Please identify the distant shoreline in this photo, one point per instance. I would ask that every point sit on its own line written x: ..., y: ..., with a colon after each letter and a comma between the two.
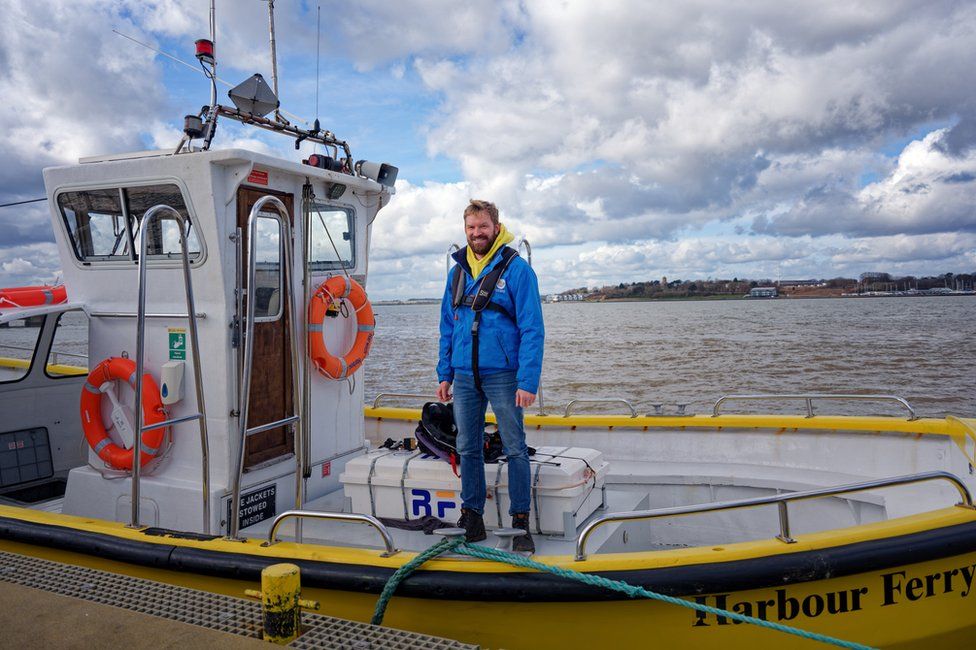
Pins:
x: 780, y: 297
x: 432, y: 301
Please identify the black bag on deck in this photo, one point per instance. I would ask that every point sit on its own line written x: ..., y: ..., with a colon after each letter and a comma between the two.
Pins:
x: 437, y: 435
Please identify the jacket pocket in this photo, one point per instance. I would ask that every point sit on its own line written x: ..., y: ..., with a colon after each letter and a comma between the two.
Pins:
x: 503, y: 349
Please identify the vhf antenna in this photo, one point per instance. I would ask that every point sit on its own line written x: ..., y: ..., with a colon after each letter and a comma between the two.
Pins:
x: 274, y: 60
x: 318, y: 57
x: 212, y: 60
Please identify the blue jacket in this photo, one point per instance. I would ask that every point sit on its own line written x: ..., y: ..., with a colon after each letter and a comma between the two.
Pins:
x: 504, y: 345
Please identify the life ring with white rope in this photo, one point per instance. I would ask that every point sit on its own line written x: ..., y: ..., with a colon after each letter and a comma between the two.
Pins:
x: 332, y: 292
x: 120, y: 369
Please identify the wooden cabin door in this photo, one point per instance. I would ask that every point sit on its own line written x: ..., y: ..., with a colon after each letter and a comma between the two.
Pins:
x: 271, y: 395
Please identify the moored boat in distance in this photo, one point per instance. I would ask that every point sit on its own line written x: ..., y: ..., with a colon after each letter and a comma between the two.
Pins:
x: 194, y: 272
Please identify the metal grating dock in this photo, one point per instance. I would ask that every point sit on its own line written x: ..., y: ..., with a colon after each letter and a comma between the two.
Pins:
x: 212, y: 611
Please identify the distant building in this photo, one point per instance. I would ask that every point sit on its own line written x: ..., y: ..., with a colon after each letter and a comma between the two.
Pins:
x: 565, y: 297
x: 799, y: 283
x: 763, y: 292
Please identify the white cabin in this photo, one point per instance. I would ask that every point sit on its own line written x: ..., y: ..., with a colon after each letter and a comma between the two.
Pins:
x: 96, y: 210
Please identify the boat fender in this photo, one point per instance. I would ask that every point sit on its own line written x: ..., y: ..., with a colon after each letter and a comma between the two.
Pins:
x: 120, y: 369
x: 330, y: 293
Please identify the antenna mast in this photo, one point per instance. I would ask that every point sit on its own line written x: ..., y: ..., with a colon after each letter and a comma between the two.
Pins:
x: 212, y: 113
x: 274, y: 58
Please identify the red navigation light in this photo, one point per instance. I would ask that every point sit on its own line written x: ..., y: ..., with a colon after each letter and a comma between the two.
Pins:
x: 205, y: 50
x: 324, y: 162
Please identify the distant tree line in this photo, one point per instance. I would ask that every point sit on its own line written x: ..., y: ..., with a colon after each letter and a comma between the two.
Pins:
x: 665, y: 288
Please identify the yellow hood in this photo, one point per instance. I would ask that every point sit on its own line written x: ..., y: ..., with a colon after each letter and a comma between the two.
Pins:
x: 477, y: 266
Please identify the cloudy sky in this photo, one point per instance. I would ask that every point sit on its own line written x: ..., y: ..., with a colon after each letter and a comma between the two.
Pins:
x: 627, y: 140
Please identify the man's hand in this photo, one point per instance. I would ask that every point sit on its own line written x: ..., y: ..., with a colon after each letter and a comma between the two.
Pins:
x: 524, y: 399
x: 444, y: 392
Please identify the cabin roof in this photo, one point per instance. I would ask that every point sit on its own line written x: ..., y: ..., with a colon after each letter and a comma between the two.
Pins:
x: 120, y: 166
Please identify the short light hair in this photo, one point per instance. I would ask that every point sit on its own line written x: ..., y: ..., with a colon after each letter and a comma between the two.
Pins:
x: 475, y: 206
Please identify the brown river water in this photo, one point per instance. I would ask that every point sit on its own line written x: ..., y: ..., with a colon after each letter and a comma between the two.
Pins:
x: 694, y: 352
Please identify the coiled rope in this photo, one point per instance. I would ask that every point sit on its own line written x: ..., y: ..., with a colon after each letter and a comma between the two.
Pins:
x: 483, y: 552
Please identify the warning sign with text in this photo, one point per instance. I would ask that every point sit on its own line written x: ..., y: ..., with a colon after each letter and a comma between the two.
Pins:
x: 256, y: 506
x: 177, y: 344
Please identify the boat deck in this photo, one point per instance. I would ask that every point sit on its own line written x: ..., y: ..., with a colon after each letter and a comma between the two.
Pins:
x: 358, y: 535
x: 39, y: 598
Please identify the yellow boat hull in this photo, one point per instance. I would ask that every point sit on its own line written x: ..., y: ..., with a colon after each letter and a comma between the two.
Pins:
x: 910, y: 604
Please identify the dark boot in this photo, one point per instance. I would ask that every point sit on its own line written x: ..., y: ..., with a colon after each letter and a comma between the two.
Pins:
x: 522, y: 542
x: 473, y: 525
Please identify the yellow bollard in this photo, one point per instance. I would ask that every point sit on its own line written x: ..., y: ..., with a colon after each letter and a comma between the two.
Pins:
x: 281, y: 589
x: 281, y: 602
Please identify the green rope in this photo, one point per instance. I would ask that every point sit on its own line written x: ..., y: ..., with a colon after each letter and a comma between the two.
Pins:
x: 442, y: 546
x: 485, y: 553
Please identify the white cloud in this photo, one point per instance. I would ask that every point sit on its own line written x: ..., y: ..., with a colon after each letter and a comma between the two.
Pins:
x: 61, y: 70
x: 686, y: 139
x: 691, y: 103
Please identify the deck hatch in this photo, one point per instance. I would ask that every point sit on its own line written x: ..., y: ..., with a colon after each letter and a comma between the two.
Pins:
x: 25, y: 455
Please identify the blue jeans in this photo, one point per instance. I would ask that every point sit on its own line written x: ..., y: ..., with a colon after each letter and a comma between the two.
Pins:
x: 469, y: 413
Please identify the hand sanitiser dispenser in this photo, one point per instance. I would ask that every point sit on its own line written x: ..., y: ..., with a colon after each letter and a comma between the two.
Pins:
x: 171, y: 384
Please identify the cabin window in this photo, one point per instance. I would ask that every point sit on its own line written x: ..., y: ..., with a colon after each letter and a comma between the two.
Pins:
x: 333, y: 238
x: 104, y: 224
x: 68, y: 356
x: 18, y: 341
x: 267, y: 273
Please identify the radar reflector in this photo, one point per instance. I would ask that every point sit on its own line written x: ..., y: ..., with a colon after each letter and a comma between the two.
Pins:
x: 254, y: 96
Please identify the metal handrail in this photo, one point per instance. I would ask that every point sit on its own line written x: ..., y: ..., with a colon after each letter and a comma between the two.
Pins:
x: 247, y: 327
x: 382, y: 396
x: 809, y: 397
x: 780, y: 499
x: 200, y: 315
x: 22, y: 348
x: 609, y: 400
x: 391, y: 549
x: 156, y: 212
x: 171, y: 422
x: 261, y: 428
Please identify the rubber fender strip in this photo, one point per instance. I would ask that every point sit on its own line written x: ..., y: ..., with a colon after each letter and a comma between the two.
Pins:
x: 718, y: 577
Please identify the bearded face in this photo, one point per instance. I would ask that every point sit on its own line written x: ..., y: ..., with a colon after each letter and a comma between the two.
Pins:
x: 480, y: 232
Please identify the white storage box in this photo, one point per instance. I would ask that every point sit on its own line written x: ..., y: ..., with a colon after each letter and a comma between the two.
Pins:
x: 567, y: 487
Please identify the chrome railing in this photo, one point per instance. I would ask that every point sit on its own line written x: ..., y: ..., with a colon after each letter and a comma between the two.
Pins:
x: 780, y: 500
x: 391, y: 549
x: 54, y: 354
x: 609, y: 400
x: 810, y: 397
x: 157, y: 212
x: 247, y: 329
x: 382, y: 396
x: 128, y: 314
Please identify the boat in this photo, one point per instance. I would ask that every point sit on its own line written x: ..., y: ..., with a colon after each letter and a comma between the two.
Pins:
x: 192, y: 272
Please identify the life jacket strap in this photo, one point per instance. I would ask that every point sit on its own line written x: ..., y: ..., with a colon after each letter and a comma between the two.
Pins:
x: 481, y: 300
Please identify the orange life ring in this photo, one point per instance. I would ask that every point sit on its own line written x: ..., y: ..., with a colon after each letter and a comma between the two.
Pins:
x: 121, y: 369
x: 32, y: 296
x: 333, y: 290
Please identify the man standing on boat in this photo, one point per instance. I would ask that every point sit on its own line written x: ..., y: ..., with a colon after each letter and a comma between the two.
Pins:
x: 491, y: 341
